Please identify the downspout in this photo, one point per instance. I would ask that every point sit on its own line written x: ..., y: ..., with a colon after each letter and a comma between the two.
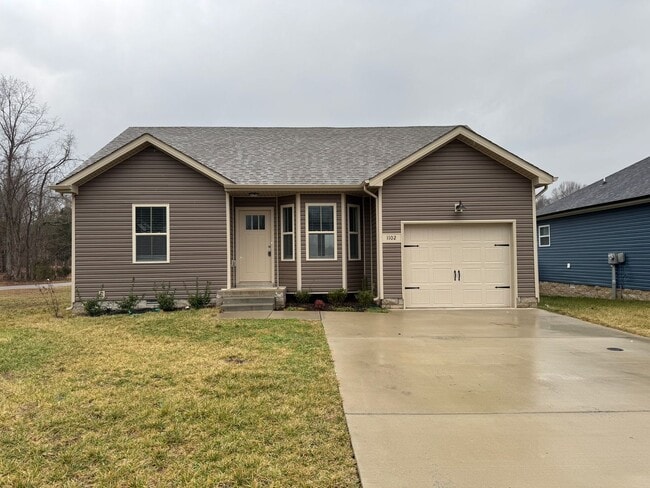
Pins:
x: 365, y: 189
x: 535, y: 252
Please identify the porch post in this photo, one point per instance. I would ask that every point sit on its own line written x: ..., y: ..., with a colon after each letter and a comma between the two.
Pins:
x: 344, y: 253
x: 298, y: 243
x: 228, y: 244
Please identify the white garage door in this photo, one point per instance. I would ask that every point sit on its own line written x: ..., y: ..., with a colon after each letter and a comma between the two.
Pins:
x: 457, y: 265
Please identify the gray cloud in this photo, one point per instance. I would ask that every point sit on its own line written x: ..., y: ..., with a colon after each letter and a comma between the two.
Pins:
x: 563, y: 84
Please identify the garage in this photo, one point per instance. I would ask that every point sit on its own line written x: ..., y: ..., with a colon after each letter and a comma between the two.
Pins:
x: 459, y: 265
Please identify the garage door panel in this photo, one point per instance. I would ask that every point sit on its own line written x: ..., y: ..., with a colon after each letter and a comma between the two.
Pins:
x: 497, y: 297
x: 480, y: 252
x: 471, y: 275
x: 440, y: 276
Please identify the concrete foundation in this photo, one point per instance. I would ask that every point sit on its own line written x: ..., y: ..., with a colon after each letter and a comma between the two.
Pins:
x: 571, y: 290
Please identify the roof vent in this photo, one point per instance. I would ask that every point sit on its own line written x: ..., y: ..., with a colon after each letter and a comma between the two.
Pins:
x: 604, y: 180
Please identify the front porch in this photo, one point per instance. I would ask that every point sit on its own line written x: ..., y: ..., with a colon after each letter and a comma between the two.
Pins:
x: 263, y: 298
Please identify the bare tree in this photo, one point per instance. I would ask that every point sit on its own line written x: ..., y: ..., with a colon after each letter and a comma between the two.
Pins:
x: 33, y: 150
x: 563, y: 189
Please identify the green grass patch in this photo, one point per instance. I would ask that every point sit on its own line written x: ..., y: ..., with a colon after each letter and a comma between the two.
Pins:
x: 167, y: 399
x: 628, y: 315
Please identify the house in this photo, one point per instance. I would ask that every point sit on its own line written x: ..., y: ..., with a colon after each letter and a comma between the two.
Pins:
x: 576, y: 234
x: 423, y: 216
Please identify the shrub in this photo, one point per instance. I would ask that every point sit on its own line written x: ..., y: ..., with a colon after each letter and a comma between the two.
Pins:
x: 200, y: 298
x: 50, y: 298
x: 302, y: 296
x: 337, y: 297
x: 130, y: 302
x: 94, y: 306
x: 165, y: 296
x: 319, y: 305
x: 365, y: 298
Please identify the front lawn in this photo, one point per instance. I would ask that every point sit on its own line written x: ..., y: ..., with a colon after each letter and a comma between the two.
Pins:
x: 166, y: 399
x: 628, y: 315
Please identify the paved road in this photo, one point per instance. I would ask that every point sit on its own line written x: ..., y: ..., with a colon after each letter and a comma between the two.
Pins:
x: 509, y: 398
x: 33, y: 286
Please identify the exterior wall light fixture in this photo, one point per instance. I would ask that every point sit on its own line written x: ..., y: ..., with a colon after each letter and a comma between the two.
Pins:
x: 459, y: 207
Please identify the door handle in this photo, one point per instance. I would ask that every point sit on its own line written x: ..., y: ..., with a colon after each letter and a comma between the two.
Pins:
x: 458, y: 275
x: 454, y: 275
x: 269, y: 252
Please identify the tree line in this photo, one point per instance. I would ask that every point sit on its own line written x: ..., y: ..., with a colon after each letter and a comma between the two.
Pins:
x: 35, y: 151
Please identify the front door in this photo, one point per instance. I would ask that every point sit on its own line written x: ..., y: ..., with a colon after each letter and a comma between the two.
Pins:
x: 254, y: 261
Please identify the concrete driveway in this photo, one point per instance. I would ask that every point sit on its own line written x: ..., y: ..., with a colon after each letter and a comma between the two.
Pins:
x: 499, y: 398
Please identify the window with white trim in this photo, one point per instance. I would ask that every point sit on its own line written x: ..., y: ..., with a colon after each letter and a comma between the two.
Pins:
x: 544, y: 235
x: 354, y: 233
x: 287, y: 243
x: 150, y: 233
x: 321, y: 232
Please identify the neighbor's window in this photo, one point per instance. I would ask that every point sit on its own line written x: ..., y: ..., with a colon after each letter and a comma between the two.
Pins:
x: 544, y: 235
x: 287, y: 233
x: 150, y: 233
x: 354, y: 226
x: 321, y: 232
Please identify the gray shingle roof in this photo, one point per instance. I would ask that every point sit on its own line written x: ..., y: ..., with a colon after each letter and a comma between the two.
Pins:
x: 627, y: 184
x: 323, y: 155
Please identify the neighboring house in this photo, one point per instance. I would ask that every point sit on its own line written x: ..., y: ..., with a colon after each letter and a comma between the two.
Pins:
x: 577, y: 232
x: 299, y: 208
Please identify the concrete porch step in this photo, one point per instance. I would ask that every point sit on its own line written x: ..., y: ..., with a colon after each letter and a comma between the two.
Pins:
x: 262, y: 298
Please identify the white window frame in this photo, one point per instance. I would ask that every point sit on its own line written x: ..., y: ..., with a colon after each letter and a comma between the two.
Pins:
x: 539, y: 235
x: 134, y: 234
x: 357, y: 232
x: 292, y: 233
x: 308, y: 232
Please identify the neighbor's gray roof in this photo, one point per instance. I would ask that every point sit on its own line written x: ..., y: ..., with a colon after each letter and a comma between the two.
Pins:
x: 323, y: 155
x: 627, y: 184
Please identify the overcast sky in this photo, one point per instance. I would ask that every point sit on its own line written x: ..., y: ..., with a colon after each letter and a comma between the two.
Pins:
x: 562, y: 84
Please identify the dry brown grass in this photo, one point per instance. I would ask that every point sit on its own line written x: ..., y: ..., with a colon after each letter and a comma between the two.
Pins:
x: 166, y: 399
x: 628, y: 315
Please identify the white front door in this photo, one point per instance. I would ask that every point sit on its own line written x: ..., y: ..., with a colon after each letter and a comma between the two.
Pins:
x: 254, y: 250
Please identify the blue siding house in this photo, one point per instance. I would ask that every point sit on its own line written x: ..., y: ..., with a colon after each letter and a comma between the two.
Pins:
x: 576, y: 233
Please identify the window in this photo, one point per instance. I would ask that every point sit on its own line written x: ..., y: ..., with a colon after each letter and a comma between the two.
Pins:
x: 150, y: 233
x: 321, y: 232
x: 354, y: 226
x: 287, y: 233
x: 544, y: 235
x: 255, y: 222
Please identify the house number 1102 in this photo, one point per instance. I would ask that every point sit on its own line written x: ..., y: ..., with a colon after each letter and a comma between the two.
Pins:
x: 392, y: 238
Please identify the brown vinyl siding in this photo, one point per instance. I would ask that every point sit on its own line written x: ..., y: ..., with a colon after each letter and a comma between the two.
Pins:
x: 321, y: 276
x: 428, y: 189
x: 103, y: 237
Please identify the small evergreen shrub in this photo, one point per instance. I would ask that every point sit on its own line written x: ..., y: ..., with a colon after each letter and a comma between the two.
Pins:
x: 94, y: 306
x: 319, y: 305
x: 130, y: 302
x: 200, y: 298
x: 337, y: 297
x: 165, y: 296
x: 365, y: 298
x: 302, y: 296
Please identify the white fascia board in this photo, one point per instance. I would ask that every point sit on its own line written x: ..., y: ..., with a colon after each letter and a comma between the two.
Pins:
x: 537, y: 176
x: 133, y: 147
